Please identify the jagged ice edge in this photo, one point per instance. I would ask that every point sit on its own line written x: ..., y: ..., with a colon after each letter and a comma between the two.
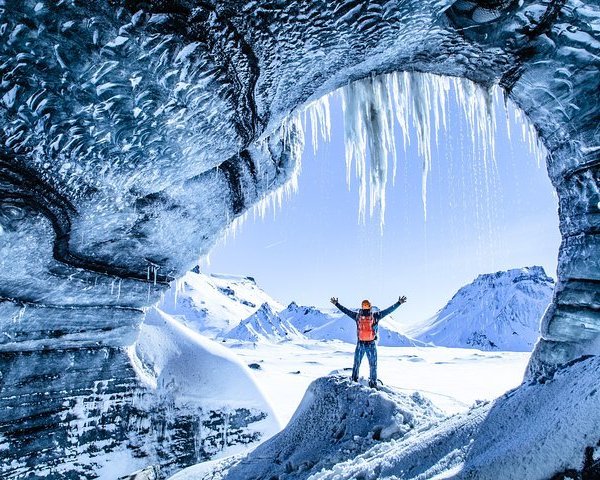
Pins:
x: 372, y: 108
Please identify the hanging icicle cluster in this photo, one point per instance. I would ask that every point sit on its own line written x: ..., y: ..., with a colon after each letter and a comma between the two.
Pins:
x: 420, y: 101
x: 416, y: 100
x: 416, y: 104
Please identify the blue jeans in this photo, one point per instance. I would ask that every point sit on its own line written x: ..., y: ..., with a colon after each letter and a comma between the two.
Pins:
x: 370, y: 348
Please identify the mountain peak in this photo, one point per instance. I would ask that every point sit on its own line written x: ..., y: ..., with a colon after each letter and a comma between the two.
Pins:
x: 497, y: 311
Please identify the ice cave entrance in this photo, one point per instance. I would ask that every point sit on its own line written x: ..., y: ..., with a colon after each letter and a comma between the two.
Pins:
x: 410, y: 182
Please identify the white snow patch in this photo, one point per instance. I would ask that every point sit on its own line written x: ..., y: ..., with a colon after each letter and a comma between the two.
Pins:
x: 193, y: 368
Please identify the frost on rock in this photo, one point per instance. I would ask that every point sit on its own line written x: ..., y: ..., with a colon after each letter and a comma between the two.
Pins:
x: 537, y: 431
x: 336, y: 420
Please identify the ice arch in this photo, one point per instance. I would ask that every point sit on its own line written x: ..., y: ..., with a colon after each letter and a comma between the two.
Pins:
x: 134, y: 132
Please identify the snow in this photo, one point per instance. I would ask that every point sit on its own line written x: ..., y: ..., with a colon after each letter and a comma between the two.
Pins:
x: 174, y: 359
x: 264, y: 325
x: 534, y: 431
x: 337, y: 420
x: 214, y: 304
x: 499, y: 311
x: 452, y: 378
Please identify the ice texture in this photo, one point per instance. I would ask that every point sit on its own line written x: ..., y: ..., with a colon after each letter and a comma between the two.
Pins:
x: 134, y: 134
x: 337, y: 420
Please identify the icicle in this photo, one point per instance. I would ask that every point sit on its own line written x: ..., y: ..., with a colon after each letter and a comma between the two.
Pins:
x: 178, y: 287
x: 320, y: 120
x: 371, y: 108
x: 368, y: 122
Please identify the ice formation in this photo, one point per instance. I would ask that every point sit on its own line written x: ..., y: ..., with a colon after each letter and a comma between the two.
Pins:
x: 133, y: 134
x: 414, y: 103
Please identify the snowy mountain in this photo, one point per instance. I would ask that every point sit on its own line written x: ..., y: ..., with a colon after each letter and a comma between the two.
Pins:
x: 334, y: 325
x: 498, y: 311
x: 215, y: 304
x: 264, y: 325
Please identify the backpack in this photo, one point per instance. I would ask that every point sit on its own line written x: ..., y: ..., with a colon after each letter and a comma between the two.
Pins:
x: 366, y: 327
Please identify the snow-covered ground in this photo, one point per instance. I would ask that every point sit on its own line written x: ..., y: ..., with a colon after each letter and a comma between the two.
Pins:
x: 289, y: 350
x: 537, y: 431
x: 452, y: 378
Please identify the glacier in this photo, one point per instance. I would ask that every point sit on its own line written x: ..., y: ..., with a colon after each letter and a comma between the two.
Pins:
x: 134, y: 134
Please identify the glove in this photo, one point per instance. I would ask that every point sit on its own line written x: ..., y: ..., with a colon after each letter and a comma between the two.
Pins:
x: 401, y: 300
x: 334, y: 300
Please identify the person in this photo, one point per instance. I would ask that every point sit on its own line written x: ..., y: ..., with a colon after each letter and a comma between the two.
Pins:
x: 367, y: 323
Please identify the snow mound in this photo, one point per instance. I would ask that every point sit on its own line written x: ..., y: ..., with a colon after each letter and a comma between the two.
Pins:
x: 318, y: 325
x: 194, y: 370
x: 336, y: 420
x: 498, y: 311
x: 214, y: 304
x: 535, y: 432
x: 264, y: 325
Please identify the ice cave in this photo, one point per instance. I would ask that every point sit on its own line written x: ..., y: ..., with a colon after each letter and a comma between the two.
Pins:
x: 135, y: 133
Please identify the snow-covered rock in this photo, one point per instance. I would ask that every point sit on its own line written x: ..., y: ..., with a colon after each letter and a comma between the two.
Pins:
x: 337, y: 420
x: 538, y: 431
x: 329, y: 325
x: 193, y: 369
x: 498, y: 311
x: 202, y: 400
x: 264, y: 325
x: 214, y: 304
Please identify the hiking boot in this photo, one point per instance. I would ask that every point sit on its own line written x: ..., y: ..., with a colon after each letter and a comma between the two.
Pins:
x: 373, y: 384
x: 354, y: 379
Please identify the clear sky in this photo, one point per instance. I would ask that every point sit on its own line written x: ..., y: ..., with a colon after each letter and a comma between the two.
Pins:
x: 314, y: 247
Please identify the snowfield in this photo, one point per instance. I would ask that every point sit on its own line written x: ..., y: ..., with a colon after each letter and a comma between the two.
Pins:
x: 452, y: 378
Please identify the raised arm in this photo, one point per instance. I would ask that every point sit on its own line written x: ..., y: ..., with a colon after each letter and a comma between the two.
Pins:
x: 347, y: 311
x: 379, y: 315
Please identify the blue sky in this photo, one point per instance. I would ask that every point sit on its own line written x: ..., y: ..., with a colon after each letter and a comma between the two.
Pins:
x: 314, y: 247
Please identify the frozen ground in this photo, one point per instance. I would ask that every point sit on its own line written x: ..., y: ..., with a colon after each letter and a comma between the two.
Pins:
x: 452, y: 378
x: 539, y: 430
